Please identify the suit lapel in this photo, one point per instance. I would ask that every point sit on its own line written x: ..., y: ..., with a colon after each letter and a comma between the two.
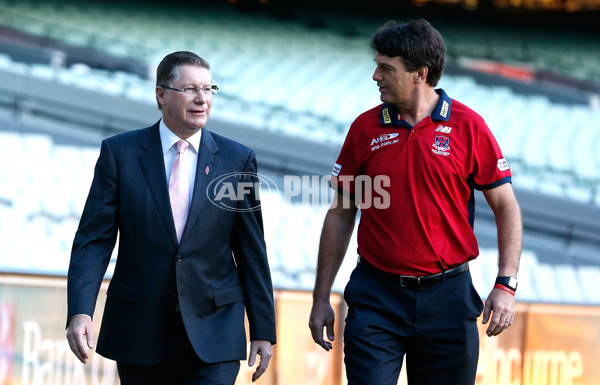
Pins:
x: 207, y: 169
x: 153, y: 165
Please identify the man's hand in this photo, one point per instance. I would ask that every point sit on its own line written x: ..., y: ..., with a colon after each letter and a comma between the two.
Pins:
x: 502, y: 304
x: 80, y: 335
x: 322, y: 316
x: 263, y: 349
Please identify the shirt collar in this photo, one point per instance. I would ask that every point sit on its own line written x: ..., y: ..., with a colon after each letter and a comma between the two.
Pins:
x: 389, y: 113
x: 168, y: 138
x: 442, y: 110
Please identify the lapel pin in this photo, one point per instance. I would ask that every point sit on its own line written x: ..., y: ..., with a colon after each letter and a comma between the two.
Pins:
x: 206, y: 170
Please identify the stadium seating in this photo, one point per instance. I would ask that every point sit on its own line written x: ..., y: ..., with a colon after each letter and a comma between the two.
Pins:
x: 288, y: 79
x: 561, y: 162
x: 127, y: 29
x: 63, y: 173
x: 311, y: 83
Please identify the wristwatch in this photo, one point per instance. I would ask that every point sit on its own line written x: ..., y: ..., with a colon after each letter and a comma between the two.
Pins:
x: 509, y: 282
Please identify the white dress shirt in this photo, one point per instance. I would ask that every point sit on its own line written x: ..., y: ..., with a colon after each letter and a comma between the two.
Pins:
x: 190, y: 156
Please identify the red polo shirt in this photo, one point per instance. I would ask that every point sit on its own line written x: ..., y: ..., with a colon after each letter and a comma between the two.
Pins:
x: 416, y: 185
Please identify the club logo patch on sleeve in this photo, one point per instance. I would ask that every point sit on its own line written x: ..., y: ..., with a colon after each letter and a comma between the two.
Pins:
x: 336, y: 169
x: 502, y: 164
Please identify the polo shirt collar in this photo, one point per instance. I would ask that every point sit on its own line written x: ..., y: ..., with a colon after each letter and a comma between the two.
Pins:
x: 442, y: 110
x: 389, y: 116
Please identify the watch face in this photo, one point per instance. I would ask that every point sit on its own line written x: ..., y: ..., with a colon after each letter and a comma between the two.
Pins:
x: 509, y: 282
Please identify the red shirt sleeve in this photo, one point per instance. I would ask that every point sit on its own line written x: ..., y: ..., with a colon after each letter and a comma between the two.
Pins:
x: 490, y: 168
x: 347, y: 165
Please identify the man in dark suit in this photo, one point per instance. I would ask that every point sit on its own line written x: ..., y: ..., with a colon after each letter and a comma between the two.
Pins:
x: 187, y: 266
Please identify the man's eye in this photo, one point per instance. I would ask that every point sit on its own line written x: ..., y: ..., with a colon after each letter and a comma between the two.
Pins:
x: 189, y: 90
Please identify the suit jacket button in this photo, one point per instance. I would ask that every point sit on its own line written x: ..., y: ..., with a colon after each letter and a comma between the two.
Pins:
x: 178, y: 259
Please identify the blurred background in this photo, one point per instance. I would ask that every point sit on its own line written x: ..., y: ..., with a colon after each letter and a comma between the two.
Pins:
x: 293, y: 75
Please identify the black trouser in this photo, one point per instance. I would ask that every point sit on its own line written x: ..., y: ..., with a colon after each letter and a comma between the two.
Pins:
x: 435, y: 326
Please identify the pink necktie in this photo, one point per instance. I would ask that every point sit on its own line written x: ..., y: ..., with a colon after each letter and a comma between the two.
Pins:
x: 179, y: 189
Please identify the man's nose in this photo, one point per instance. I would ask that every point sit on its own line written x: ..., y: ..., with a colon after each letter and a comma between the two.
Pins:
x: 376, y: 76
x: 200, y: 97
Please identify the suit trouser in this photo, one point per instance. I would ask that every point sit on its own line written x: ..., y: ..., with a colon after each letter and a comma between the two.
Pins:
x: 182, y: 367
x: 435, y: 326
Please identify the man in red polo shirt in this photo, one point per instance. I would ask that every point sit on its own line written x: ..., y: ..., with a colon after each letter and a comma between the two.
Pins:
x: 411, y: 165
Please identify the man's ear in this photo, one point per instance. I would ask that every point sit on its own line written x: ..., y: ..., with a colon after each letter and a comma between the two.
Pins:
x: 160, y: 96
x: 421, y: 75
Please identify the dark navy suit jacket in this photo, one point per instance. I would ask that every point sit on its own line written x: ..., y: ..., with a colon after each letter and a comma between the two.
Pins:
x: 218, y: 270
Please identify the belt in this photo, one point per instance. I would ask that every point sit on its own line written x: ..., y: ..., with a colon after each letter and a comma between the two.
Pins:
x: 411, y: 281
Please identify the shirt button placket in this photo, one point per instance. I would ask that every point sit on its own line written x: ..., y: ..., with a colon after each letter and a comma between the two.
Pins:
x: 412, y: 135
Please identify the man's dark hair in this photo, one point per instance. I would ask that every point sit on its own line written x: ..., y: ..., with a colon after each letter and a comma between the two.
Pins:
x: 168, y: 69
x: 416, y: 42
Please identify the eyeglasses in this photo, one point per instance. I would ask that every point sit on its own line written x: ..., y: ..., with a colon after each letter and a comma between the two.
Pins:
x: 193, y: 91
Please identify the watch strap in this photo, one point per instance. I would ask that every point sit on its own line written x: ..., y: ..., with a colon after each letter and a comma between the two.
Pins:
x: 509, y: 282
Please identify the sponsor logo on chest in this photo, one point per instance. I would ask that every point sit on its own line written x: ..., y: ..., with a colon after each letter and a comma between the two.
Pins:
x: 443, y: 129
x: 384, y: 140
